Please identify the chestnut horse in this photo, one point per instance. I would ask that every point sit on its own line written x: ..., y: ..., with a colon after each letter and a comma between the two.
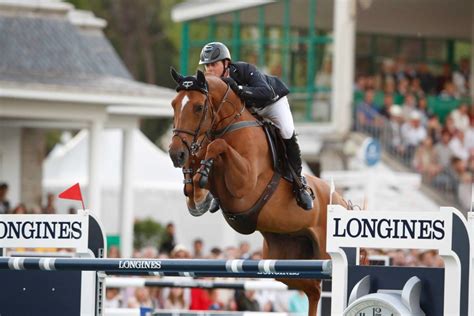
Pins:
x: 240, y: 165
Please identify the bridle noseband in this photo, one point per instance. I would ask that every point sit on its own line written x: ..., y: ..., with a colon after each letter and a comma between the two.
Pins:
x: 209, y: 135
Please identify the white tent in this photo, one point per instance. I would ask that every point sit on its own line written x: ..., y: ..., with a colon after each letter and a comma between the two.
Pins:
x: 157, y: 188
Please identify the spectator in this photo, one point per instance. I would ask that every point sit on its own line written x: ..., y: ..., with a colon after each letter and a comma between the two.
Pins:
x: 367, y: 115
x: 426, y: 161
x: 461, y: 77
x: 149, y: 252
x: 442, y: 150
x: 244, y: 250
x: 20, y: 209
x: 449, y: 125
x: 424, y: 111
x: 168, y: 242
x: 403, y: 87
x: 113, y: 299
x: 395, y: 129
x: 198, y: 246
x: 175, y: 299
x: 298, y: 303
x: 246, y: 301
x: 140, y: 299
x: 114, y: 252
x: 434, y: 128
x: 216, y: 253
x: 180, y: 252
x: 428, y: 258
x: 445, y: 76
x: 231, y: 252
x: 450, y: 178
x: 387, y: 74
x: 413, y: 133
x: 460, y: 117
x: 200, y: 299
x: 427, y: 80
x: 416, y: 89
x: 387, y: 104
x: 50, y: 208
x: 360, y: 84
x: 215, y: 302
x: 469, y: 135
x: 4, y: 203
x: 409, y: 106
x: 449, y: 92
x: 458, y: 146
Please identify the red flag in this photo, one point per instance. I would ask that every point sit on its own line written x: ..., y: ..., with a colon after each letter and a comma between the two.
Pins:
x: 73, y: 193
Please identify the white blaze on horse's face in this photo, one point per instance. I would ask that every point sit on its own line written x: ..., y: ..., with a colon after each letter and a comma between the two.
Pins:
x: 184, y: 101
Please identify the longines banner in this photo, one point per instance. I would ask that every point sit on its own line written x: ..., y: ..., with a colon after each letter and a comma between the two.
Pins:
x: 379, y: 229
x: 38, y: 231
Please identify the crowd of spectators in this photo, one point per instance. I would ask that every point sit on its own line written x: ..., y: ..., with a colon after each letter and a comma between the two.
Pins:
x: 435, y: 139
x: 48, y: 207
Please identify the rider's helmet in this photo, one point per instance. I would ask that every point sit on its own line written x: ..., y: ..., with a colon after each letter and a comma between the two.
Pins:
x: 212, y: 52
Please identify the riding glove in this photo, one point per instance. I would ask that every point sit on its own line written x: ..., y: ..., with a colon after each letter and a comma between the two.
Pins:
x: 233, y: 85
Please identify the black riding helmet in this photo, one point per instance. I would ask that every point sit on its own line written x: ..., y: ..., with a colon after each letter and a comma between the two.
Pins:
x: 213, y: 52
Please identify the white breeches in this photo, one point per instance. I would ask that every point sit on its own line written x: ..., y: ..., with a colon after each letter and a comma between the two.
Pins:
x: 279, y: 113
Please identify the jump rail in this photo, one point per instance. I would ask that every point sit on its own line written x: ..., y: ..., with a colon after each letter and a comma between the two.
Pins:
x: 201, y: 267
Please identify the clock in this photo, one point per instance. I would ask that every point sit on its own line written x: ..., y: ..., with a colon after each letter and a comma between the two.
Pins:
x: 385, y: 302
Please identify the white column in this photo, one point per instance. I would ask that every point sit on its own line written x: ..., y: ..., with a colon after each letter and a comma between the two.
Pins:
x: 343, y: 63
x: 95, y: 154
x: 126, y: 196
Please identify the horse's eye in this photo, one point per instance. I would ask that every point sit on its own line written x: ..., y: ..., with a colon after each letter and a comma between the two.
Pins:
x: 199, y: 108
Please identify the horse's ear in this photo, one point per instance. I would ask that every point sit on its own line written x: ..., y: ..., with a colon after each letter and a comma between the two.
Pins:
x: 176, y: 76
x: 201, y: 78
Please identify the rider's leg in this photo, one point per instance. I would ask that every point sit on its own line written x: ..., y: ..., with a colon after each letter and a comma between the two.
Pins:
x: 280, y: 114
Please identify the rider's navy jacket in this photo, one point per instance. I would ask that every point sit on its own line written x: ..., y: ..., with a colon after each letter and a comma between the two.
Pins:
x: 258, y: 89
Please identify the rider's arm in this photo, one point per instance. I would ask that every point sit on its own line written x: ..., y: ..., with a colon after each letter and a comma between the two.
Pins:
x: 253, y: 83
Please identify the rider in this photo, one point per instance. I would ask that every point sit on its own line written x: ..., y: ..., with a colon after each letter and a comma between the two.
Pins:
x: 266, y: 95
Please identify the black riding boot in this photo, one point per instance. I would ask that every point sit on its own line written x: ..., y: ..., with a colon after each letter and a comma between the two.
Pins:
x: 303, y: 193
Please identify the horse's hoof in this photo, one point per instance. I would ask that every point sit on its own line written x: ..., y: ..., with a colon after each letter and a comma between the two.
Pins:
x: 203, y: 181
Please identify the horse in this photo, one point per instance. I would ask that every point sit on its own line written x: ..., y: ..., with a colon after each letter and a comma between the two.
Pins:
x: 225, y: 155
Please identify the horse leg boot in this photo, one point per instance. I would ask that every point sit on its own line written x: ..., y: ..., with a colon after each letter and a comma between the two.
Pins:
x: 303, y: 193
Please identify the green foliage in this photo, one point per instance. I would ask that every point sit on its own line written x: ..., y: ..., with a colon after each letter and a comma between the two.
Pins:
x: 147, y: 232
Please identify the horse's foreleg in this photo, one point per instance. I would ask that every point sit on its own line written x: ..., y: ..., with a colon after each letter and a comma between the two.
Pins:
x: 238, y: 174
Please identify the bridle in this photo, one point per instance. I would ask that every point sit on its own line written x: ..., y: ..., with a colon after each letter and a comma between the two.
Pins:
x: 209, y: 134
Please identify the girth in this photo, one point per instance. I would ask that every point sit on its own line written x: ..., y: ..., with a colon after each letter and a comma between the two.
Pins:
x: 246, y: 222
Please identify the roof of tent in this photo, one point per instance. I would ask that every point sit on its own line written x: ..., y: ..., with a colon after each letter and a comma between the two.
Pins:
x: 152, y: 168
x: 426, y: 18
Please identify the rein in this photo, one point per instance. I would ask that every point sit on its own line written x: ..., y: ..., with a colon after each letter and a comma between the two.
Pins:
x: 212, y: 133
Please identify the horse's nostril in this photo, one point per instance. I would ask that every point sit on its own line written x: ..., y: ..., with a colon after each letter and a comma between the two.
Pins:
x: 181, y: 155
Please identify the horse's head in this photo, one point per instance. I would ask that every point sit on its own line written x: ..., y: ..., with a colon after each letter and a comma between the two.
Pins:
x: 197, y: 113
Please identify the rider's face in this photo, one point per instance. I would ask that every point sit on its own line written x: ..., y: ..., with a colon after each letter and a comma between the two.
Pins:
x: 216, y: 68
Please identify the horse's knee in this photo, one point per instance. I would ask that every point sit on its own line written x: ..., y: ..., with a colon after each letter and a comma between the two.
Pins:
x: 215, y: 148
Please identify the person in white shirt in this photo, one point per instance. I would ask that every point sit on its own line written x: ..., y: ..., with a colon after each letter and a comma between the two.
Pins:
x: 460, y: 117
x: 469, y: 136
x: 458, y: 146
x: 413, y: 132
